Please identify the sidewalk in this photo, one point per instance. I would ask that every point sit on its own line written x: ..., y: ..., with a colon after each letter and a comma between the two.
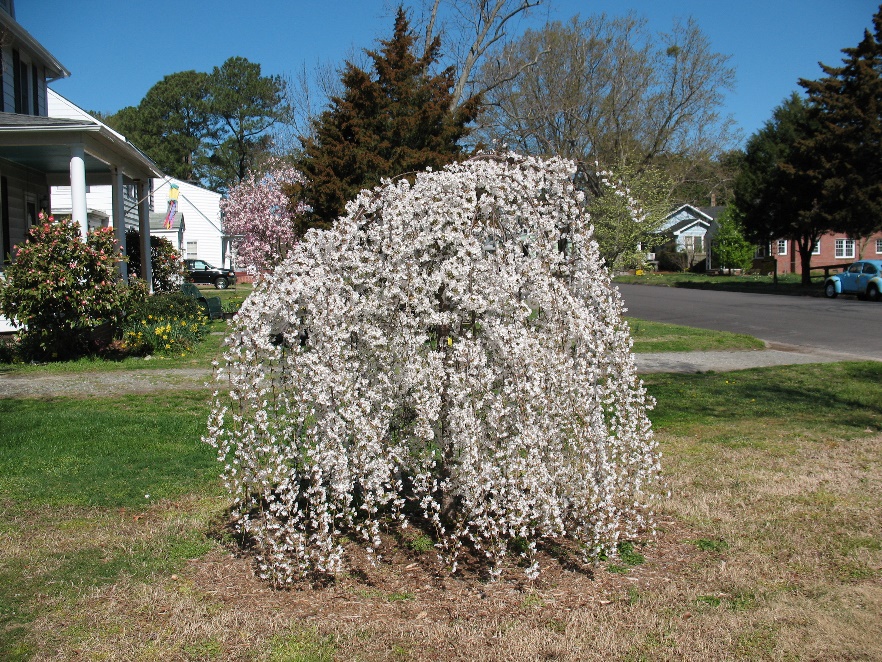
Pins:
x: 774, y: 354
x: 118, y: 382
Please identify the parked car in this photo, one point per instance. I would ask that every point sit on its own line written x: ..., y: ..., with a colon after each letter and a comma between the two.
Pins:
x: 200, y: 271
x: 863, y: 278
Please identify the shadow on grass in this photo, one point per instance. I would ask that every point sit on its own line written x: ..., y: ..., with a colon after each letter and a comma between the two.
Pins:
x: 841, y: 397
x: 748, y: 284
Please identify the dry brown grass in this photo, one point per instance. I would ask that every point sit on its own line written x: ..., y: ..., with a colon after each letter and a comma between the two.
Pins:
x: 799, y: 577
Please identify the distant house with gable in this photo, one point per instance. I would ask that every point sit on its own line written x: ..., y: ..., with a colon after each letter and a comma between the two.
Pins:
x: 196, y: 227
x: 688, y: 232
x: 200, y: 234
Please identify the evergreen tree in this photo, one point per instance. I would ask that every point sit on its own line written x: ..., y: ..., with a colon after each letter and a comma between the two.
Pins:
x: 244, y: 106
x: 207, y: 128
x: 730, y: 248
x: 847, y: 105
x: 171, y: 124
x: 389, y: 121
x: 776, y: 189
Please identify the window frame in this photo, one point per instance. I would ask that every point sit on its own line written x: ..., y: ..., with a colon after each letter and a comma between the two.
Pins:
x: 844, y: 249
x: 690, y: 241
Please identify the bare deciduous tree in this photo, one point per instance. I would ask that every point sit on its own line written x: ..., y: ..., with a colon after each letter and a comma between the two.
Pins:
x: 606, y: 89
x: 475, y: 27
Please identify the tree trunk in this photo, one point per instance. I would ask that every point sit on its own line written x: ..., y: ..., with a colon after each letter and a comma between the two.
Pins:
x: 805, y: 258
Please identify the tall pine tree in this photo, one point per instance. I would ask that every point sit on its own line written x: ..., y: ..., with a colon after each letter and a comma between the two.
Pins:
x: 172, y: 124
x: 847, y: 106
x: 389, y: 121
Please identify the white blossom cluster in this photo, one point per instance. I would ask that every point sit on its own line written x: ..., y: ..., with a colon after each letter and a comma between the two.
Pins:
x: 450, y: 353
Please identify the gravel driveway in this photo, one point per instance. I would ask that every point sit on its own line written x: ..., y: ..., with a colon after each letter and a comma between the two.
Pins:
x: 114, y: 382
x: 119, y: 382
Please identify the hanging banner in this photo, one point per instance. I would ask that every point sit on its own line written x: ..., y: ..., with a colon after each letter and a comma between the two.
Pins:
x: 172, y: 206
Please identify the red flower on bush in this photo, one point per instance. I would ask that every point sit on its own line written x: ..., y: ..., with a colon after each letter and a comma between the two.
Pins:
x: 60, y: 287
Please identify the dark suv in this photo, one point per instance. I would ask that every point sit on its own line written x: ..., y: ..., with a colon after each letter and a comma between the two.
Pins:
x: 199, y: 271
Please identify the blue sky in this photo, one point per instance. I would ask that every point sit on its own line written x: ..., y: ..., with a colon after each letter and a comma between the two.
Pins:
x: 116, y: 51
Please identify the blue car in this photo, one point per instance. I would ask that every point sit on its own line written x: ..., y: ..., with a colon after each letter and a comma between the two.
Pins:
x: 863, y: 279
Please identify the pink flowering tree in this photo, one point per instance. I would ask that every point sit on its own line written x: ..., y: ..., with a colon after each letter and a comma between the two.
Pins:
x: 450, y: 352
x: 59, y: 287
x: 260, y: 217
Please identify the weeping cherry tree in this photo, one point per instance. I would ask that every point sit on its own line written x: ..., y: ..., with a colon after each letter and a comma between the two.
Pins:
x: 449, y: 354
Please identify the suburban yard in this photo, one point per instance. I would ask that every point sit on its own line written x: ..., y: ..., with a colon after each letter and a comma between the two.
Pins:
x: 115, y: 543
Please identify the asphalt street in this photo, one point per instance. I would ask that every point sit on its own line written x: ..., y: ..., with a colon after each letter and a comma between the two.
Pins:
x: 843, y: 326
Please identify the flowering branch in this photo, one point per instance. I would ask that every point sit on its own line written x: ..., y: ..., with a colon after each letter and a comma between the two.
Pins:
x: 261, y: 219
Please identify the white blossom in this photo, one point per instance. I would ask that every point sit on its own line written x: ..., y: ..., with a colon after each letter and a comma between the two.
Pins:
x: 451, y: 351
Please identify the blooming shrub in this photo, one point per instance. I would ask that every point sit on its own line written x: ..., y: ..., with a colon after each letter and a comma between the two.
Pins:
x: 450, y: 352
x: 60, y: 287
x: 164, y: 324
x: 167, y: 266
x: 260, y: 217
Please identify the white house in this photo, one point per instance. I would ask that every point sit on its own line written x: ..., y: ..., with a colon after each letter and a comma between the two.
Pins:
x: 38, y: 151
x: 99, y: 199
x: 202, y: 236
x: 197, y: 229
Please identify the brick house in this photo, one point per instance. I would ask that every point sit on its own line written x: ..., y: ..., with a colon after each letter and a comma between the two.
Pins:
x: 833, y: 248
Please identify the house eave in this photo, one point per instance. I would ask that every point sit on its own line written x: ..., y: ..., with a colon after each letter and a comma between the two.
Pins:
x: 697, y: 221
x: 24, y: 40
x: 696, y: 212
x: 18, y: 131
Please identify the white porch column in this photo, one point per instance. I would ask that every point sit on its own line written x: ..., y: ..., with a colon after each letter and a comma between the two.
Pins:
x: 119, y: 220
x: 144, y: 228
x: 79, y: 213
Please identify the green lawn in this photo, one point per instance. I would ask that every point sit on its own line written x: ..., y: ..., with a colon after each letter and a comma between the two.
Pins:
x: 836, y: 399
x: 92, y: 490
x: 109, y: 452
x: 775, y: 511
x: 660, y: 337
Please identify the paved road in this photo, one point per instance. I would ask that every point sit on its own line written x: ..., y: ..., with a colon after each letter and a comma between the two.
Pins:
x: 844, y: 325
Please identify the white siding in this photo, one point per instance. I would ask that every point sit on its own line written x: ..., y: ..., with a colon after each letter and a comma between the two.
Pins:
x: 24, y: 186
x: 8, y: 87
x: 201, y: 210
x: 99, y: 198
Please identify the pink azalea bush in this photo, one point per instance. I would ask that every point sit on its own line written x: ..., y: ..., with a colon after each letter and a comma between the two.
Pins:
x: 260, y: 217
x: 59, y: 287
x: 167, y: 265
x: 450, y: 353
